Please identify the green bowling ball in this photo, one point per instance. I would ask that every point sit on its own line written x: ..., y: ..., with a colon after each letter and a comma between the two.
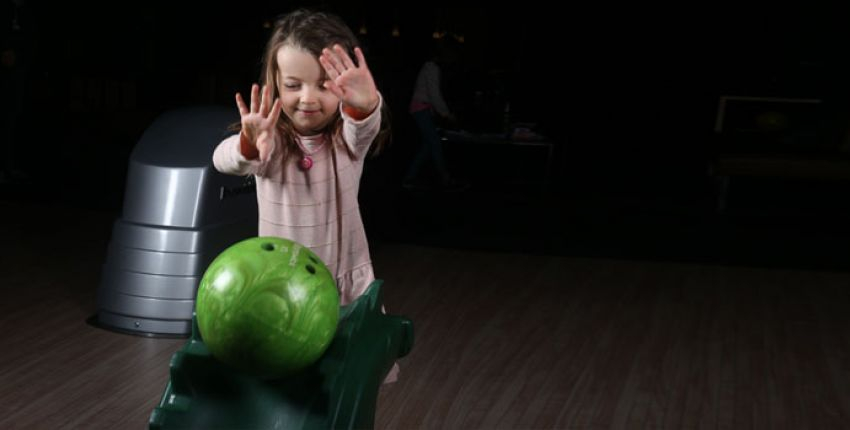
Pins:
x: 268, y: 306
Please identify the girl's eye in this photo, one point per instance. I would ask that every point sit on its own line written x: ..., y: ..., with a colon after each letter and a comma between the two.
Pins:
x: 290, y: 86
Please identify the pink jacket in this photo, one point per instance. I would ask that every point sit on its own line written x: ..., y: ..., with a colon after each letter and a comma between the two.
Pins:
x: 317, y: 207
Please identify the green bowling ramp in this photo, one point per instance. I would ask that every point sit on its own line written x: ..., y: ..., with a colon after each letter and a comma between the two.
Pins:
x: 339, y: 391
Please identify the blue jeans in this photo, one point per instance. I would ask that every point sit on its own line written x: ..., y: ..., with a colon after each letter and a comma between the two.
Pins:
x: 431, y: 147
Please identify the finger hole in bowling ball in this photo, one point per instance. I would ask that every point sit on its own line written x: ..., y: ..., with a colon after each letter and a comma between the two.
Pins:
x: 311, y: 269
x: 313, y: 259
x: 267, y: 246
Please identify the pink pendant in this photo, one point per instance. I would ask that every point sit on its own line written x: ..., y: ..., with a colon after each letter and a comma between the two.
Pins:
x: 306, y: 162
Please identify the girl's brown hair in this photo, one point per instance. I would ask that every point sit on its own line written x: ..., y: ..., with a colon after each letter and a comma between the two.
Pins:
x: 312, y: 31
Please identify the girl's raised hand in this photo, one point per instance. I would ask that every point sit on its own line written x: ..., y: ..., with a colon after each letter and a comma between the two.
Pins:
x: 259, y: 123
x: 352, y: 83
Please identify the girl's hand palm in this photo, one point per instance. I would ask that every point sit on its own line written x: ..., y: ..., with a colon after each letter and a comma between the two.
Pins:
x: 259, y: 123
x: 353, y: 84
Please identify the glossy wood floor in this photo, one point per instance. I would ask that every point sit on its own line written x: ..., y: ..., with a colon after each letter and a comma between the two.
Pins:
x: 502, y: 340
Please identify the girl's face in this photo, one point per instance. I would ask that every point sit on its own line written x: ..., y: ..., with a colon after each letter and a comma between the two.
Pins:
x: 305, y: 100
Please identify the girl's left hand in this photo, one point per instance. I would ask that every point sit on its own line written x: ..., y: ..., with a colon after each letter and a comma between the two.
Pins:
x: 353, y: 84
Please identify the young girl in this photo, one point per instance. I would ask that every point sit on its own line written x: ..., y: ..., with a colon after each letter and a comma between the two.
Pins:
x: 304, y: 137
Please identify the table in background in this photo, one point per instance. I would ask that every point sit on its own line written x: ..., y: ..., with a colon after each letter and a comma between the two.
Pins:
x: 502, y: 141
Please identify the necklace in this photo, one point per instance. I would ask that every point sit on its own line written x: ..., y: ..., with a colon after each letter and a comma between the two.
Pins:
x: 306, y: 161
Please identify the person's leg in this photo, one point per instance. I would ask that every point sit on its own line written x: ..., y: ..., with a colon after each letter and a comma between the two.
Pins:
x: 435, y: 146
x: 432, y: 144
x: 427, y: 133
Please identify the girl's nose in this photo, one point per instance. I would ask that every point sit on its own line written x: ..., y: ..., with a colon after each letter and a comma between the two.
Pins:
x: 308, y: 95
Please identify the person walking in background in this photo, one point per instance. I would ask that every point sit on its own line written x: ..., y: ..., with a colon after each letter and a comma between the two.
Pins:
x: 426, y: 104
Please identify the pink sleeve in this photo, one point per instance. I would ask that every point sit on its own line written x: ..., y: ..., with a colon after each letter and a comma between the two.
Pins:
x: 359, y: 134
x: 229, y: 160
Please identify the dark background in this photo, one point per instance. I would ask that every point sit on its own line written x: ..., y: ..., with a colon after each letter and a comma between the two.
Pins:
x: 627, y: 93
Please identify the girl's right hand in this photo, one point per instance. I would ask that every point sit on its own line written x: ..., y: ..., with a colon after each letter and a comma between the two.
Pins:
x: 259, y: 124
